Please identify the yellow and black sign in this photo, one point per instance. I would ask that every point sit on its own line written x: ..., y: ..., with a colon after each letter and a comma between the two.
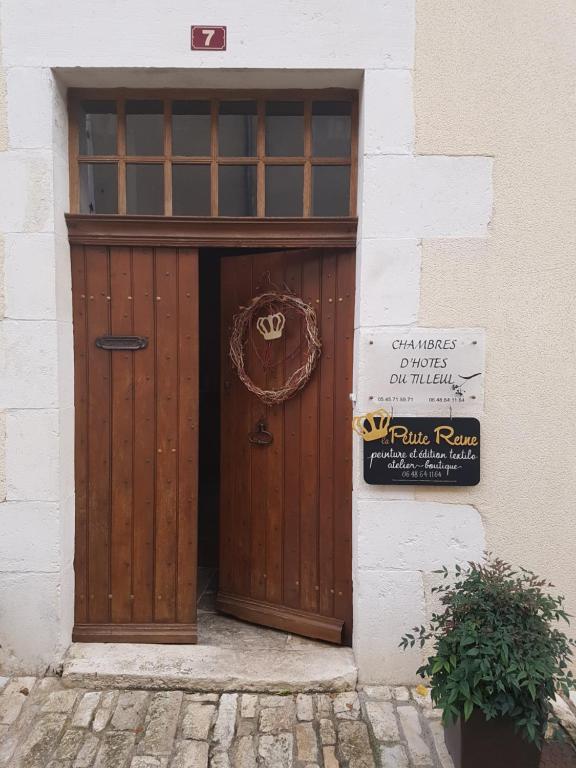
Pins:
x: 418, y: 450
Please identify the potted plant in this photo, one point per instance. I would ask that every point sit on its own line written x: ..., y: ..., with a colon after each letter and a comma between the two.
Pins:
x: 499, y: 659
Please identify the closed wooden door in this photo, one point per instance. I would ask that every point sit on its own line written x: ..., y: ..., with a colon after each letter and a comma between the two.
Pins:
x: 136, y: 443
x: 285, y: 516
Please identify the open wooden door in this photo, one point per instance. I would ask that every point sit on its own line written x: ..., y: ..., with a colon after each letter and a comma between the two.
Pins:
x: 136, y: 397
x: 285, y: 516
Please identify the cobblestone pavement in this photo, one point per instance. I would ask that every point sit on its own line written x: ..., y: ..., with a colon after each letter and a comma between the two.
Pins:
x: 44, y: 724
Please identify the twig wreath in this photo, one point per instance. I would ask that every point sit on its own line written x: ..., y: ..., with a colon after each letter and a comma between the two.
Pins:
x: 242, y: 323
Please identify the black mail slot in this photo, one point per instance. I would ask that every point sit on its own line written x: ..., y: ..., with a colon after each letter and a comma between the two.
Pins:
x: 122, y: 342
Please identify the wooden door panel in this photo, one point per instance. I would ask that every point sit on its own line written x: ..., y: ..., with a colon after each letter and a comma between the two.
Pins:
x: 136, y: 444
x: 285, y: 555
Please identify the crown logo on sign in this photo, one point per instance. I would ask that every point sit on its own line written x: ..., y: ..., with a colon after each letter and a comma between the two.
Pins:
x: 271, y: 326
x: 373, y: 425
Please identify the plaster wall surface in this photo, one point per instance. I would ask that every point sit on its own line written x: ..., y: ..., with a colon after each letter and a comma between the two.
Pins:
x: 499, y: 78
x: 403, y: 198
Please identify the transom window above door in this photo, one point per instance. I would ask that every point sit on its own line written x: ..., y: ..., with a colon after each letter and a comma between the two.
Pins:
x: 183, y: 154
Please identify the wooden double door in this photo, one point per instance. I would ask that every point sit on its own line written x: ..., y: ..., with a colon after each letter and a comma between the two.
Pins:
x: 285, y: 508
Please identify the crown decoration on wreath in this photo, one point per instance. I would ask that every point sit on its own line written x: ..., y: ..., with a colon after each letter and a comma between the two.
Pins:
x: 373, y: 425
x: 271, y: 326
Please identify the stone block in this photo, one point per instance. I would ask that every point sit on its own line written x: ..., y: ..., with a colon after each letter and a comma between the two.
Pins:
x: 29, y: 128
x: 161, y: 722
x: 382, y: 719
x: 401, y: 693
x: 386, y: 604
x: 190, y: 754
x: 304, y: 706
x: 388, y: 290
x: 70, y: 744
x: 327, y: 732
x: 393, y: 756
x: 30, y: 621
x: 248, y: 705
x: 29, y: 273
x: 226, y: 721
x: 378, y: 692
x: 306, y: 742
x: 32, y: 452
x: 60, y: 701
x: 115, y: 750
x: 26, y: 204
x: 41, y: 740
x: 275, y: 751
x: 130, y: 710
x: 330, y: 759
x: 426, y: 196
x: 10, y: 707
x: 30, y: 359
x: 198, y: 719
x: 411, y: 726
x: 347, y: 706
x: 104, y: 711
x: 87, y: 752
x: 360, y: 36
x: 243, y: 753
x: 417, y: 535
x: 86, y: 708
x: 278, y: 718
x: 354, y: 744
x: 147, y: 761
x: 30, y: 536
x: 387, y: 112
x: 437, y: 730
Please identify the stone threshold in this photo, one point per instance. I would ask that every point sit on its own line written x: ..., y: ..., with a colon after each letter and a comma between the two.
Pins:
x: 208, y: 668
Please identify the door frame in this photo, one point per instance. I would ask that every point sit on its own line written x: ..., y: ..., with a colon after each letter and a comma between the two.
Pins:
x: 181, y: 232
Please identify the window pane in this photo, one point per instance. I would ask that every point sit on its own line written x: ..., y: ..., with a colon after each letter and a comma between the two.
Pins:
x: 144, y: 128
x: 237, y: 128
x: 237, y: 190
x: 97, y: 127
x: 191, y: 190
x: 145, y: 188
x: 98, y: 188
x: 284, y: 190
x: 285, y: 128
x: 191, y: 128
x: 331, y: 128
x: 330, y: 190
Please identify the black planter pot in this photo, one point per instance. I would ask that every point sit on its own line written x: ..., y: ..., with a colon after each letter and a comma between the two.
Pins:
x: 481, y: 743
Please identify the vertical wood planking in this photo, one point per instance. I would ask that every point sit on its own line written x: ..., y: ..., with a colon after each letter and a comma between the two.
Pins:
x: 187, y: 449
x: 166, y: 523
x: 81, y: 429
x: 275, y: 453
x: 259, y: 458
x: 122, y: 436
x: 99, y: 432
x: 292, y: 453
x: 345, y: 287
x: 228, y: 390
x: 309, y: 442
x: 144, y: 436
x: 329, y: 309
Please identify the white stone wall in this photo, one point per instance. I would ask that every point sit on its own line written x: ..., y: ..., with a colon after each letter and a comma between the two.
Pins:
x: 402, y: 198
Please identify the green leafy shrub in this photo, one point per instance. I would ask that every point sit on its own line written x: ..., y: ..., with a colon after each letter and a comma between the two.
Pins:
x: 497, y: 646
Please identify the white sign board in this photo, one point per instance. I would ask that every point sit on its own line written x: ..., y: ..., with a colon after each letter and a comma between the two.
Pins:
x: 422, y: 370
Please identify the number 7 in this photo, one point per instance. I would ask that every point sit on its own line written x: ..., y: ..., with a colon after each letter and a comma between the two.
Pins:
x: 209, y: 35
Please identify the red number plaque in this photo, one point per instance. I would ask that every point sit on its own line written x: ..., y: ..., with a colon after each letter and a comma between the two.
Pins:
x: 206, y: 38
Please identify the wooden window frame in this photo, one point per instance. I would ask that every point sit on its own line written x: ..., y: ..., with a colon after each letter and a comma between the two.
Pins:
x: 260, y: 160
